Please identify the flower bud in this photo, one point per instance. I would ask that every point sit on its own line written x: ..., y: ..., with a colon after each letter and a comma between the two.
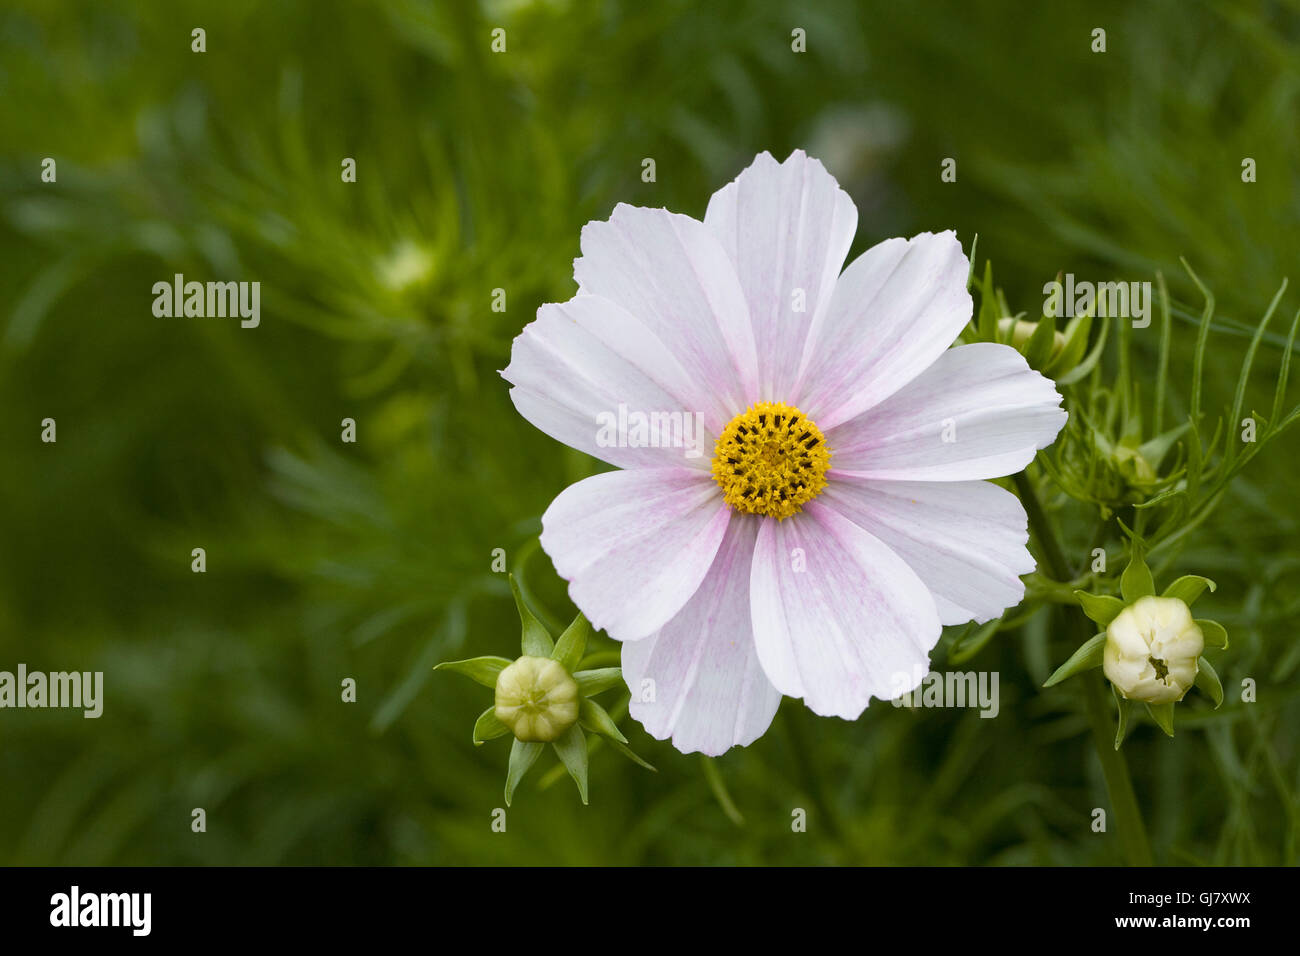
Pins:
x: 1133, y: 467
x: 1022, y: 330
x: 536, y: 698
x: 1152, y: 648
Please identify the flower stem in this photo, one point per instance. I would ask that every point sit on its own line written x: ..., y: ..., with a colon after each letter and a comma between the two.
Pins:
x: 792, y: 718
x: 1119, y: 786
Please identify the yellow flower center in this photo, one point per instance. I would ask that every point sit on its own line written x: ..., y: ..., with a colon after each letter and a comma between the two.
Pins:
x: 770, y: 460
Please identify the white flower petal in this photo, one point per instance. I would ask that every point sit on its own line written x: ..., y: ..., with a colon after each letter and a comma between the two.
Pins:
x: 855, y: 623
x: 672, y: 274
x: 978, y: 412
x: 710, y: 693
x: 787, y: 227
x: 895, y: 309
x: 965, y: 539
x: 635, y: 545
x: 580, y: 360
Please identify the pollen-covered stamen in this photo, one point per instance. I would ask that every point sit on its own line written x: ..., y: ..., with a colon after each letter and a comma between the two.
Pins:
x: 771, y: 460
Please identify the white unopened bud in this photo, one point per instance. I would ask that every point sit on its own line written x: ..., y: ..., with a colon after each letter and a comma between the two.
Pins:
x: 536, y: 698
x: 1152, y: 647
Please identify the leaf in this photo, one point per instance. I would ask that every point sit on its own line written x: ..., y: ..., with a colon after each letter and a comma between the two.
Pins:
x: 1163, y: 715
x: 572, y: 643
x: 523, y: 754
x: 572, y: 748
x: 1279, y: 395
x: 1136, y: 581
x: 1100, y: 608
x: 593, y: 682
x: 1085, y: 658
x: 1121, y: 727
x: 536, y: 640
x: 1239, y: 397
x: 1215, y: 634
x: 1208, y: 681
x: 1188, y: 588
x: 596, y: 719
x: 1162, y: 371
x: 482, y: 670
x: 488, y: 727
x: 1202, y: 337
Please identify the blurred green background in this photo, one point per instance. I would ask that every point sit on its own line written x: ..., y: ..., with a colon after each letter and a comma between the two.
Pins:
x: 475, y: 171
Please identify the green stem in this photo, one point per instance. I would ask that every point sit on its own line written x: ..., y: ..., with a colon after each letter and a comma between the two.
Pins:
x: 1119, y: 786
x: 792, y: 718
x: 1053, y: 556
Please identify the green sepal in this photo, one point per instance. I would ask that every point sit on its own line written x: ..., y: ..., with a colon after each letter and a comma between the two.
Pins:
x: 596, y: 719
x: 523, y: 754
x: 1163, y: 715
x: 1208, y: 681
x: 626, y: 751
x: 1085, y: 367
x: 572, y: 748
x: 1100, y: 608
x: 1038, y: 350
x: 1188, y: 588
x: 1154, y: 449
x: 1121, y: 726
x: 988, y: 315
x: 536, y: 640
x: 1085, y: 658
x: 1136, y: 581
x: 593, y: 682
x: 488, y: 727
x: 572, y: 643
x: 1215, y: 634
x: 481, y: 670
x: 1076, y: 342
x: 972, y: 640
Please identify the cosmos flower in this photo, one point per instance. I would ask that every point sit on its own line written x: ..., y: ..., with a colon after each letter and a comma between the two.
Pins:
x: 838, y: 514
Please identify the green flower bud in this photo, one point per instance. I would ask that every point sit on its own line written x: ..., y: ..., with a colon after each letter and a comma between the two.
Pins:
x: 537, y: 699
x: 1133, y: 467
x: 1022, y: 330
x: 1152, y: 650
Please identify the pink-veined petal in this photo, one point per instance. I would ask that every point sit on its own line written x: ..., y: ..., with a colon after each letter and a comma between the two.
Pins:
x: 585, y: 368
x: 965, y: 539
x: 895, y: 309
x: 787, y: 227
x: 978, y: 412
x: 698, y: 680
x: 670, y: 272
x: 635, y: 545
x: 839, y: 618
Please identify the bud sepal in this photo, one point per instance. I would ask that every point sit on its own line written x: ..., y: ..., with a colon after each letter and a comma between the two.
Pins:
x: 543, y: 697
x: 1150, y: 648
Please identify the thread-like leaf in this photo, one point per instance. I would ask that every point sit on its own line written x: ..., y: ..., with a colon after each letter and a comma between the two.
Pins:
x: 1085, y: 658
